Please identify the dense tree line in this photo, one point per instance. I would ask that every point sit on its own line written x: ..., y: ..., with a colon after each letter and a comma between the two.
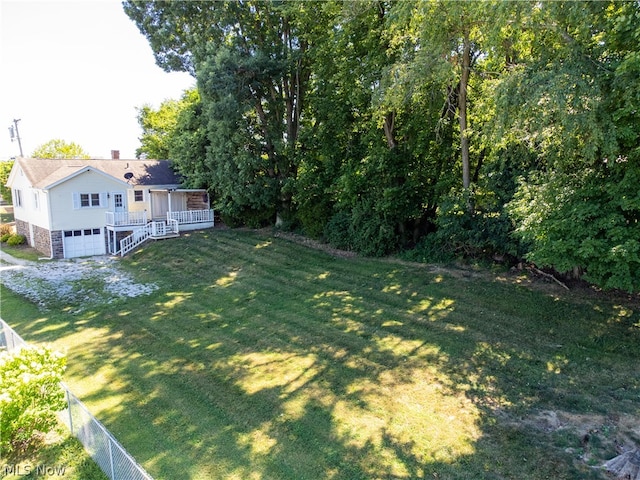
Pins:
x: 441, y: 127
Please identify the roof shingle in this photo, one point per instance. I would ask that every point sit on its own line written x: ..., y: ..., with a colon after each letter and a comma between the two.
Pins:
x: 43, y: 173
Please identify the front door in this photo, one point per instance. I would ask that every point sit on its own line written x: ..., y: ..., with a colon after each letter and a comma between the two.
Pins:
x: 118, y: 202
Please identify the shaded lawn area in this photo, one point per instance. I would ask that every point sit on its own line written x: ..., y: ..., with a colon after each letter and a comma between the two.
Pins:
x: 262, y: 358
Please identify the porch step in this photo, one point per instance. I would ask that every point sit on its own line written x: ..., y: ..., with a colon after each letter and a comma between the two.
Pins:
x: 162, y: 237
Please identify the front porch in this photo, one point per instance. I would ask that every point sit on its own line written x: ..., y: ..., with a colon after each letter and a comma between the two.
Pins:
x: 165, y: 213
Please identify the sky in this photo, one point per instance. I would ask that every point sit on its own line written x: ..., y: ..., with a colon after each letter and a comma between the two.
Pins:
x: 77, y: 70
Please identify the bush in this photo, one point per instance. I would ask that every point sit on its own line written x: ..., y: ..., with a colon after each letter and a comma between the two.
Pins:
x: 336, y: 231
x: 5, y: 237
x: 482, y: 233
x: 30, y: 394
x: 587, y: 220
x: 16, y: 239
x: 5, y: 228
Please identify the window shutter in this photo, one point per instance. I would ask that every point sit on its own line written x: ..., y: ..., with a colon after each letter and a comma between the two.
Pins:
x: 103, y: 199
x: 76, y: 200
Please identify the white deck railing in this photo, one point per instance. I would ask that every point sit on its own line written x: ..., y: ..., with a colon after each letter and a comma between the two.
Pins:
x: 138, y: 236
x: 151, y: 230
x: 191, y: 216
x: 126, y: 218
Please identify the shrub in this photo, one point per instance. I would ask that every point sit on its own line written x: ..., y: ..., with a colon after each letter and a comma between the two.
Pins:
x: 481, y: 233
x: 588, y: 219
x: 30, y: 394
x: 362, y: 229
x: 16, y: 239
x: 4, y: 237
x: 5, y: 228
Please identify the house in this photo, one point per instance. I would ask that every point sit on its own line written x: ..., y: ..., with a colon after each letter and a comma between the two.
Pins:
x: 74, y: 208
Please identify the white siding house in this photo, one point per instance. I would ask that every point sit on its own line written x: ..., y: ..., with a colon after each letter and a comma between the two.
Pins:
x: 73, y: 208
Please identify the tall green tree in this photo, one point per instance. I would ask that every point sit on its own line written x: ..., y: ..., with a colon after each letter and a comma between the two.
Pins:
x: 5, y: 170
x: 58, y: 148
x: 158, y: 125
x: 250, y: 61
x: 189, y: 141
x: 505, y: 126
x: 373, y: 166
x: 450, y: 38
x: 571, y: 102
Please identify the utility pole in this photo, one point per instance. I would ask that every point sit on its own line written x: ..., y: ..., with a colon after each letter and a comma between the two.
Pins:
x: 15, y: 134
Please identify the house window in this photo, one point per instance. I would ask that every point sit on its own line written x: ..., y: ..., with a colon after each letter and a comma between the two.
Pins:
x: 138, y: 195
x: 89, y: 199
x: 36, y: 200
x: 17, y: 198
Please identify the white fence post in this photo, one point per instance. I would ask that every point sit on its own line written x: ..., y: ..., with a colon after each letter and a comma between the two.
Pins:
x: 69, y: 410
x: 113, y: 474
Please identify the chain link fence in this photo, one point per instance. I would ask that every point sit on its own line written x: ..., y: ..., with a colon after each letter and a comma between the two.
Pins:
x: 105, y: 450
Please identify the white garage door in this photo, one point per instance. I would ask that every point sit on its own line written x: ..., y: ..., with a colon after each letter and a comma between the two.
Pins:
x: 81, y: 243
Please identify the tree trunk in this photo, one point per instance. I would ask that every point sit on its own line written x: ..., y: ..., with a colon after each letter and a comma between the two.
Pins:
x: 462, y: 113
x: 625, y: 466
x: 388, y: 126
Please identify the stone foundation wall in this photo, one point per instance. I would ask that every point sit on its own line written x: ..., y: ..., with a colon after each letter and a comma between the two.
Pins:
x: 57, y: 244
x: 42, y: 240
x: 22, y: 228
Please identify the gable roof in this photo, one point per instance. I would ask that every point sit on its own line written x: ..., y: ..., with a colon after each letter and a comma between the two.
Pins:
x: 46, y: 173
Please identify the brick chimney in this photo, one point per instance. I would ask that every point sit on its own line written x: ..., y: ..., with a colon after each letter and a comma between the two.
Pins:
x: 115, y: 154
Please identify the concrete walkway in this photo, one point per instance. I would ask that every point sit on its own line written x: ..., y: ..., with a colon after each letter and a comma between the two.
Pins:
x: 5, y: 257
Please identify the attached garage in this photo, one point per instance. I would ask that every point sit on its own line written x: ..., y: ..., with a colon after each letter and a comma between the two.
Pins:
x: 82, y: 243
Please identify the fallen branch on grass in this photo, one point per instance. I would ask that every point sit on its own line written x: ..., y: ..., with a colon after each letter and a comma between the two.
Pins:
x: 548, y: 275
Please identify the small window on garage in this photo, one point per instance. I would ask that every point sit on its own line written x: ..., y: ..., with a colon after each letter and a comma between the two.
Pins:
x: 138, y: 195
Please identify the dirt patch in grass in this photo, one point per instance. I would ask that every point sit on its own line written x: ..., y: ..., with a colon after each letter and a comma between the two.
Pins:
x: 311, y: 243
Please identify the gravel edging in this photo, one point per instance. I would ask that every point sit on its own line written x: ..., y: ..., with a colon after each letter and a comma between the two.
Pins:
x: 77, y: 282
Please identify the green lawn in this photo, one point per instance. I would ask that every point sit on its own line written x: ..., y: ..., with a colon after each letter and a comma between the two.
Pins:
x: 261, y: 358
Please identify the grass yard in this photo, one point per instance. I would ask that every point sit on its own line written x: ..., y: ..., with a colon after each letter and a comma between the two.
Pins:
x: 261, y: 358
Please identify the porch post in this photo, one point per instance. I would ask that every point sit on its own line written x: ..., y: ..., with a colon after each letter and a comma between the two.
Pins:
x: 169, y: 213
x: 150, y: 205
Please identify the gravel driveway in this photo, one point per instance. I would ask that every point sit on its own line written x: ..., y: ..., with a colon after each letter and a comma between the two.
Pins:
x: 79, y: 282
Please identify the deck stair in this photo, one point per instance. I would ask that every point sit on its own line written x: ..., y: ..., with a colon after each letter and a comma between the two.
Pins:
x: 154, y: 230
